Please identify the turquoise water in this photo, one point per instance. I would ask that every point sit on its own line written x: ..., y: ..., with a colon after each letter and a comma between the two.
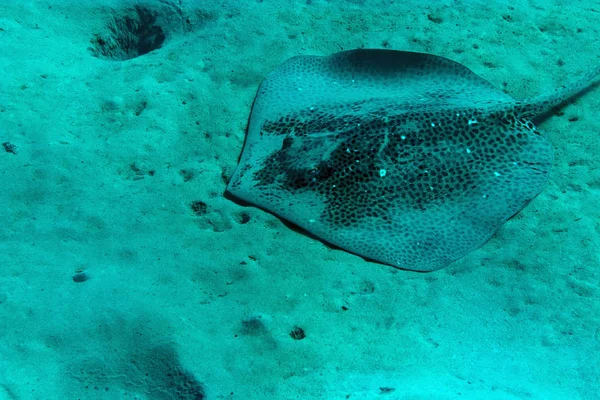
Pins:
x: 126, y: 273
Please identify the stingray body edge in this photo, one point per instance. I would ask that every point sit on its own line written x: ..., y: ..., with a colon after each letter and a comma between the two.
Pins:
x: 404, y: 158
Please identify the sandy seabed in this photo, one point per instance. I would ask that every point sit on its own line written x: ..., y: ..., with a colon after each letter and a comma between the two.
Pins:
x: 126, y: 273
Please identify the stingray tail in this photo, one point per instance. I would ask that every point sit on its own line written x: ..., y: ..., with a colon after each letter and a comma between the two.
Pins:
x: 535, y: 106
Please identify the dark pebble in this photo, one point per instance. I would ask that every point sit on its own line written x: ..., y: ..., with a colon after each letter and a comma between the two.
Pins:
x: 297, y: 333
x: 10, y: 148
x: 80, y: 277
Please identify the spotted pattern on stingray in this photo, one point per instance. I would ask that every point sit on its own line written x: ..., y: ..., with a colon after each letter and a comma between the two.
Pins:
x: 404, y: 158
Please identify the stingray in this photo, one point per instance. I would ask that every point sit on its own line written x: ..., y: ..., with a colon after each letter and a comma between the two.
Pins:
x: 403, y: 158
